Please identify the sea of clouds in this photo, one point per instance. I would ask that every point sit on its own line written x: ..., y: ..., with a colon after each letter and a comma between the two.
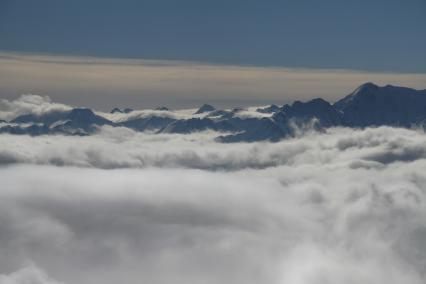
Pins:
x: 342, y: 206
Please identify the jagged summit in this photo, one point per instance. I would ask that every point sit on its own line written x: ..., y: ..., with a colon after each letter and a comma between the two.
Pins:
x: 303, y: 112
x: 115, y: 110
x: 317, y: 102
x: 118, y: 110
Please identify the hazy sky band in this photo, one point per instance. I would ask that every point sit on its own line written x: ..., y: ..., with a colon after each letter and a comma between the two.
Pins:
x: 103, y: 83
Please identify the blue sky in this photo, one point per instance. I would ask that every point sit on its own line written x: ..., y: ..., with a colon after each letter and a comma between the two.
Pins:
x: 377, y: 35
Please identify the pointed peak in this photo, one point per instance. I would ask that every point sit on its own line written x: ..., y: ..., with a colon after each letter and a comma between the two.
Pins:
x: 81, y: 112
x: 162, y: 108
x: 366, y: 87
x: 116, y: 110
x: 318, y: 101
x: 205, y: 108
x: 369, y: 85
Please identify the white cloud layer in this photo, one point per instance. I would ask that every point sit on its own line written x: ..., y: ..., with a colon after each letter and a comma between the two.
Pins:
x: 29, y: 104
x: 27, y: 275
x: 117, y: 147
x: 345, y: 206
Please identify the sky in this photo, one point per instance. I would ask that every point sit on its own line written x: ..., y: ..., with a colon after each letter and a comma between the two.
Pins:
x: 105, y: 83
x: 373, y: 37
x: 335, y: 206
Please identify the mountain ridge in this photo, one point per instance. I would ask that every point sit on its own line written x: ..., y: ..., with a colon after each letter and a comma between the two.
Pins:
x: 369, y: 105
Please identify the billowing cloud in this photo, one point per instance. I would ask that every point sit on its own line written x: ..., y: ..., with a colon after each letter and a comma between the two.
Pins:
x: 29, y: 104
x: 344, y: 206
x: 103, y: 83
x: 27, y: 275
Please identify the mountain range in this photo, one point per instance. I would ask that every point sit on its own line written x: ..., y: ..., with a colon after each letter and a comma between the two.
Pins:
x: 369, y: 105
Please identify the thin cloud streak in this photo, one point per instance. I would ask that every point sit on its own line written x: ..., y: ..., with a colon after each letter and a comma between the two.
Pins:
x: 103, y: 83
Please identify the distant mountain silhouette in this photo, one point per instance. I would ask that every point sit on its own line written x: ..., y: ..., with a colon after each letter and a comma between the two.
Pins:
x: 205, y: 108
x: 268, y: 109
x: 117, y: 110
x: 162, y: 108
x: 369, y: 105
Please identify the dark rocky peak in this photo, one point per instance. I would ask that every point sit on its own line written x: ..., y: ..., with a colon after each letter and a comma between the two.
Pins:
x: 85, y: 116
x: 162, y: 108
x: 320, y: 109
x: 371, y: 105
x: 205, y: 108
x: 116, y: 110
x: 45, y: 118
x: 81, y: 113
x: 366, y: 88
x: 314, y: 104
